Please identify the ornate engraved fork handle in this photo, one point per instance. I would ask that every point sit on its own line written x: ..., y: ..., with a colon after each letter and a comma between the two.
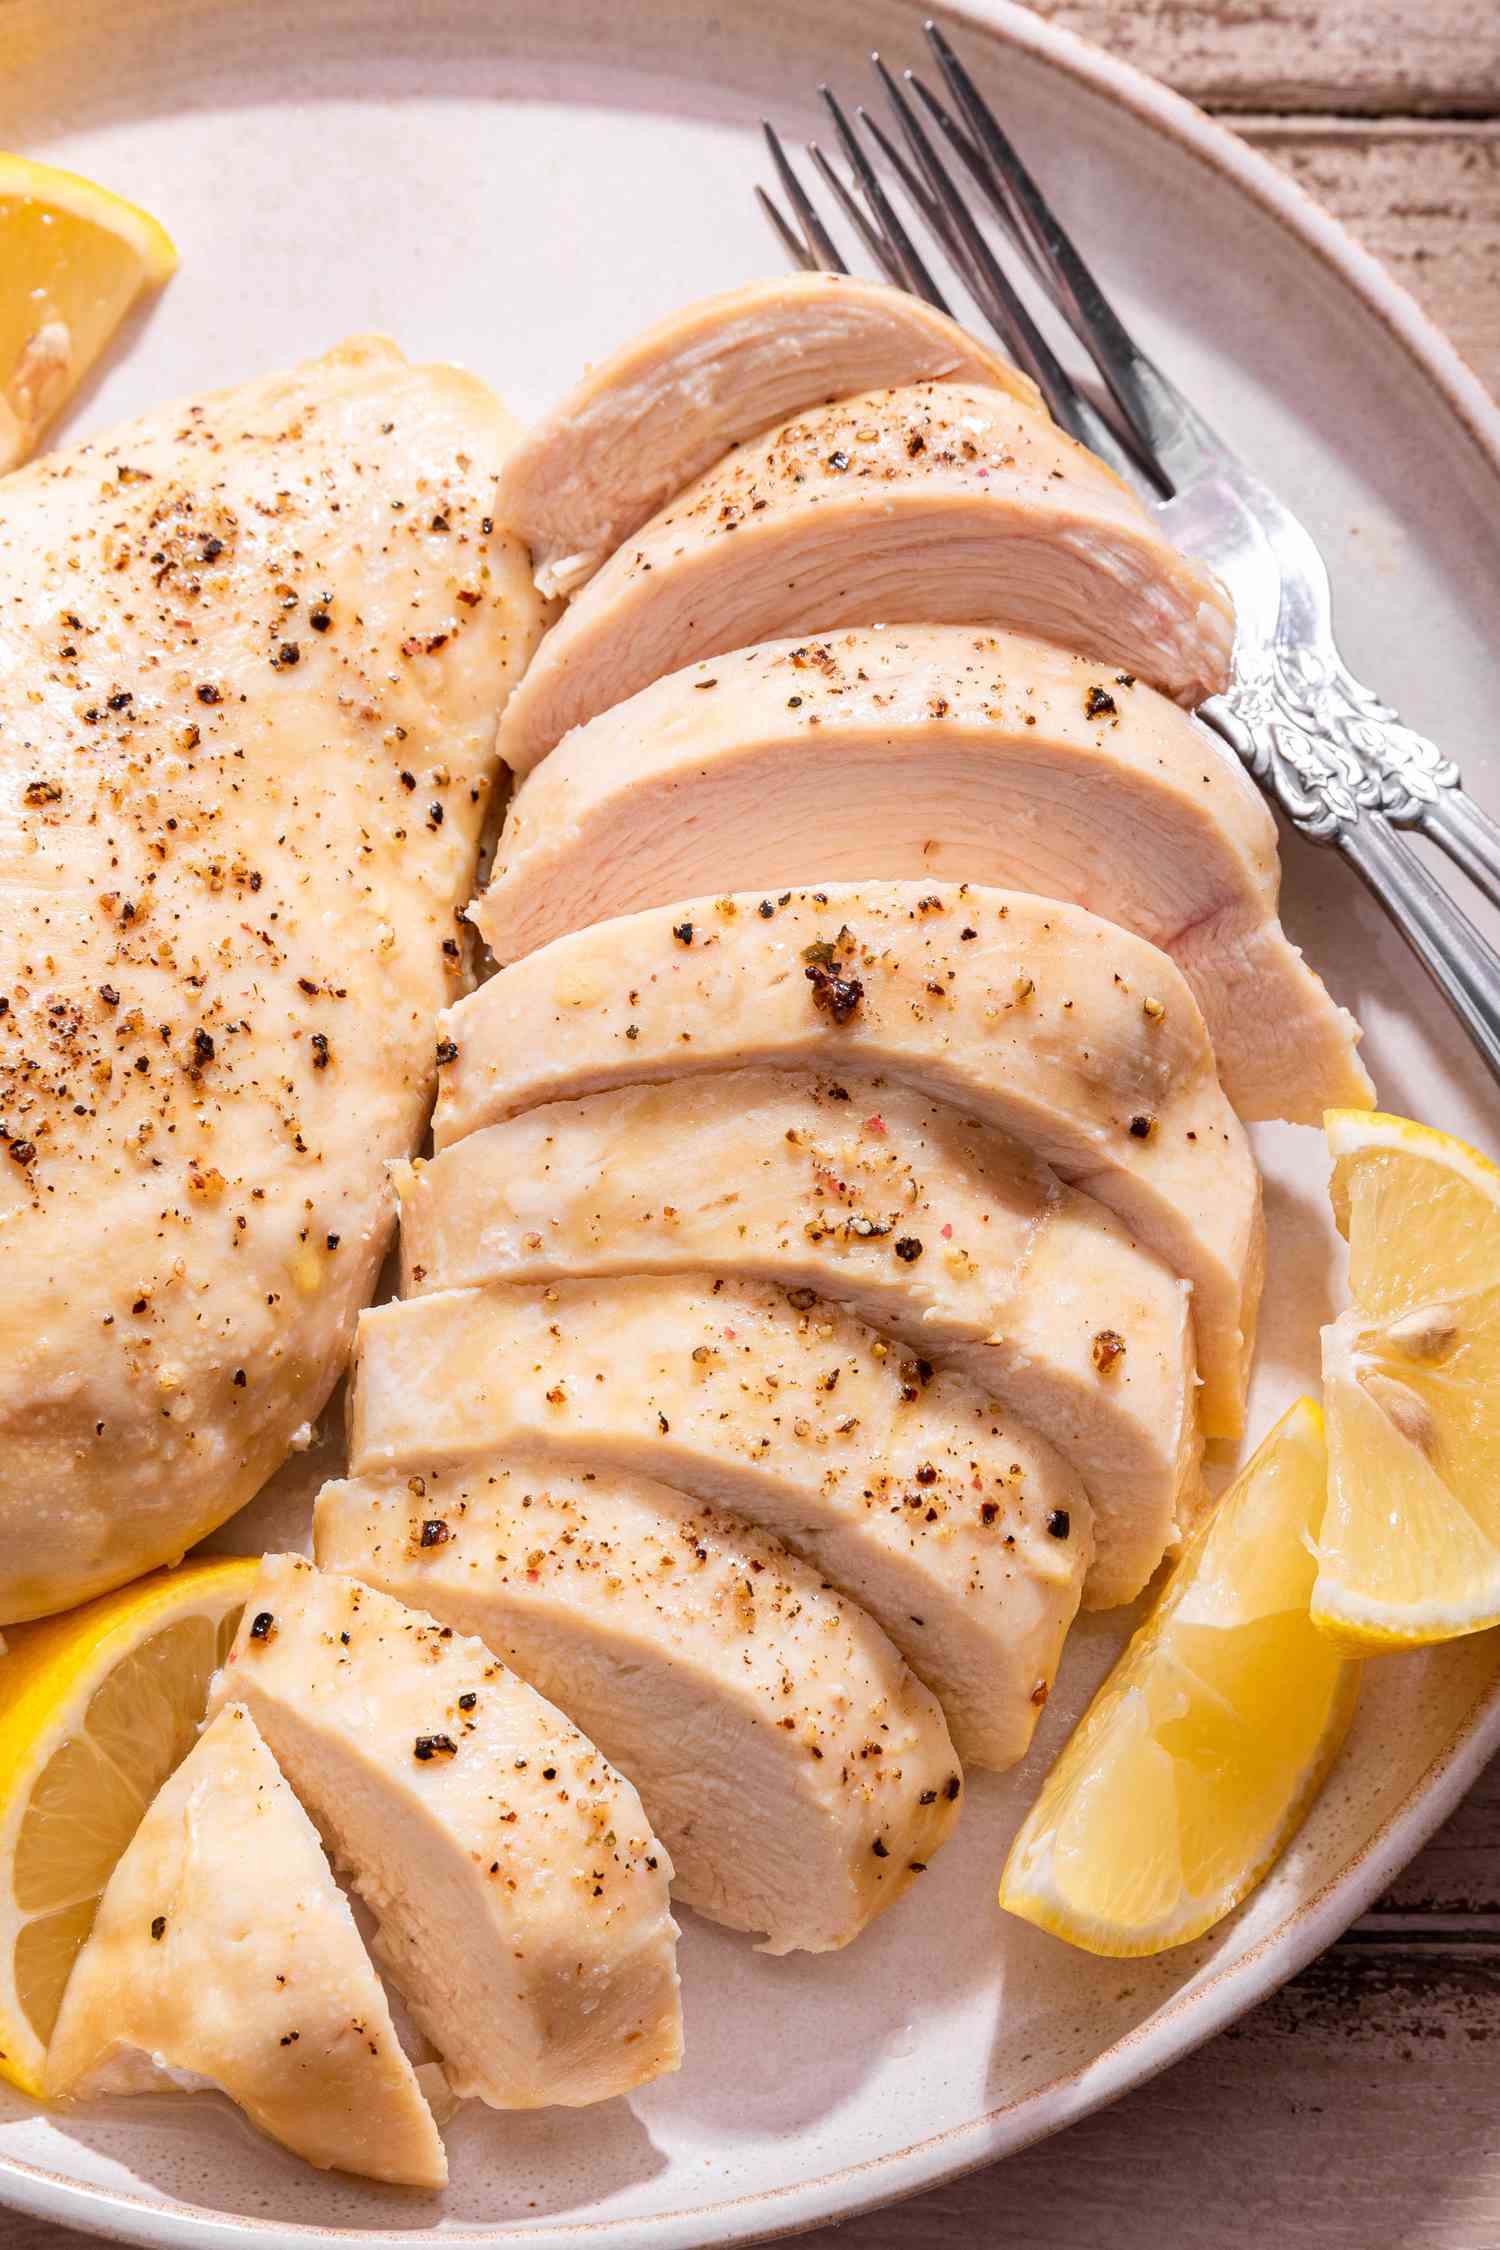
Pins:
x: 1399, y: 772
x: 1419, y: 787
x: 1296, y: 735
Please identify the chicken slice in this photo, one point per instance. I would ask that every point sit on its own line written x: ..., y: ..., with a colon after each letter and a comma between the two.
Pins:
x: 653, y: 416
x: 962, y: 1533
x: 948, y: 502
x: 938, y: 753
x: 935, y: 1229
x: 251, y: 653
x: 224, y: 1955
x: 521, y: 1897
x: 1075, y: 1037
x: 797, y: 1772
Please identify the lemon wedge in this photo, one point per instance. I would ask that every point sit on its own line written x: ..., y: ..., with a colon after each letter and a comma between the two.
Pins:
x: 74, y: 259
x: 1410, y: 1543
x: 1194, y: 1765
x: 96, y: 1709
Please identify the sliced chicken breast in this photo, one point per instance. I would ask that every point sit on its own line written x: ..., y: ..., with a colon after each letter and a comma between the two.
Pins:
x: 251, y: 652
x: 225, y: 1956
x: 939, y: 753
x: 948, y: 502
x: 1075, y: 1037
x: 935, y: 1229
x: 520, y: 1894
x: 653, y: 416
x: 800, y: 1776
x: 962, y: 1533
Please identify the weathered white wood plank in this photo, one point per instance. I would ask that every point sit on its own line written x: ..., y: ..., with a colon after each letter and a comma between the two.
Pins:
x: 1412, y: 57
x: 1424, y: 197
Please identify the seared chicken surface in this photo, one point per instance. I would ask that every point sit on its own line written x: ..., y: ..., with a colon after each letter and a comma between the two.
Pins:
x: 225, y: 1955
x: 654, y: 415
x: 960, y: 1531
x: 251, y: 652
x: 950, y: 503
x: 939, y: 753
x: 1074, y: 1037
x: 932, y: 1228
x: 520, y: 1894
x: 797, y: 1772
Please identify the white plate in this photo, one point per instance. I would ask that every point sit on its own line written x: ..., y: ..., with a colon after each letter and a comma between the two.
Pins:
x: 519, y: 187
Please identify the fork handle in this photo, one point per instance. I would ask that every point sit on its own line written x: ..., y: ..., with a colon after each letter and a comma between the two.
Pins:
x: 1401, y: 773
x: 1462, y: 964
x: 1348, y: 773
x: 1468, y: 835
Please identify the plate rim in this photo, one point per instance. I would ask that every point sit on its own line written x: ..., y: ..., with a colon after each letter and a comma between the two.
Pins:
x: 1192, y: 2018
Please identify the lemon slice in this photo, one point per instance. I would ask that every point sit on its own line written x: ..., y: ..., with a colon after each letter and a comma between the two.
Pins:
x: 1410, y: 1544
x: 1194, y: 1765
x: 96, y: 1708
x: 73, y: 258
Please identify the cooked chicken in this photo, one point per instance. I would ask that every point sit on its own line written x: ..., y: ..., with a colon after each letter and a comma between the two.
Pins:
x: 657, y: 413
x: 946, y: 502
x: 939, y: 753
x: 934, y: 1229
x: 520, y: 1894
x: 224, y: 1955
x: 1075, y: 1037
x: 797, y: 1773
x: 251, y: 651
x: 960, y: 1531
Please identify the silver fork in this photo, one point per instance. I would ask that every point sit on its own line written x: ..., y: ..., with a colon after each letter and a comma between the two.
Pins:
x: 1339, y: 762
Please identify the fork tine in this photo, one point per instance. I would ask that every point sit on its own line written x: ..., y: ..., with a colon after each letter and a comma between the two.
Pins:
x: 983, y: 173
x: 915, y: 186
x: 921, y: 196
x: 790, y: 240
x: 869, y: 234
x: 913, y: 272
x: 961, y: 141
x: 946, y: 214
x: 993, y: 291
x: 824, y: 255
x: 1003, y: 204
x: 1151, y: 405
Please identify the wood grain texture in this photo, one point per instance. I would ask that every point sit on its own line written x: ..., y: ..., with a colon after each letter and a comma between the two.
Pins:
x: 1351, y: 57
x: 1357, y: 2109
x: 1424, y: 197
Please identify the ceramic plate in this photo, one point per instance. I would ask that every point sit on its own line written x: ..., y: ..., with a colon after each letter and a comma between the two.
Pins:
x: 520, y: 187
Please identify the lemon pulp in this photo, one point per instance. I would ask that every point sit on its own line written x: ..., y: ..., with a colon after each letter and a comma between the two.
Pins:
x: 74, y: 259
x: 1196, y: 1761
x: 1410, y: 1544
x: 96, y: 1709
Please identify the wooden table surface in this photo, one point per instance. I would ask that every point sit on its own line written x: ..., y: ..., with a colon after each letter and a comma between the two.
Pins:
x: 1360, y: 2108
